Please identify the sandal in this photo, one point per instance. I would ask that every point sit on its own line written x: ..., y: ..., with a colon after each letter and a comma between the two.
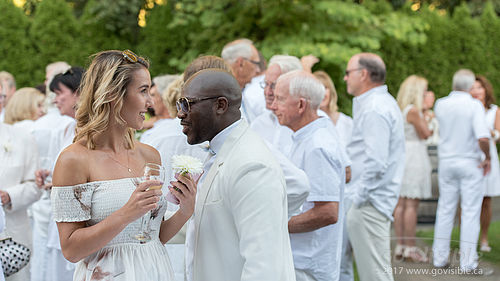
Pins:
x: 415, y: 254
x: 398, y: 252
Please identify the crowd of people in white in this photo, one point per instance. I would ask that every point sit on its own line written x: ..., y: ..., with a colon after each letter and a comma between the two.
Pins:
x: 292, y: 188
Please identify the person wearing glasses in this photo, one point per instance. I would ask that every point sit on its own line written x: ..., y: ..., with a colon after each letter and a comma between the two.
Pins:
x: 377, y: 152
x: 241, y: 211
x: 267, y: 125
x: 247, y: 66
x: 96, y: 200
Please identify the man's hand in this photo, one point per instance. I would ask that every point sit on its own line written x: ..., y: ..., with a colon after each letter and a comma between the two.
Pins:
x: 40, y: 176
x: 5, y: 197
x: 486, y: 166
x: 308, y: 62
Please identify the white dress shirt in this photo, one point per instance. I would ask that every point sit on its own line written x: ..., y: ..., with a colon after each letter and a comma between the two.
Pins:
x: 462, y: 121
x: 215, y: 146
x: 318, y: 151
x: 377, y: 150
x: 253, y: 102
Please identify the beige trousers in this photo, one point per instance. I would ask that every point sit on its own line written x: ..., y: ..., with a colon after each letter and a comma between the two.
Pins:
x: 369, y: 233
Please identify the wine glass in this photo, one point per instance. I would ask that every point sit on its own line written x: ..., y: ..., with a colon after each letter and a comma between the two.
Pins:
x: 151, y: 172
x: 46, y: 163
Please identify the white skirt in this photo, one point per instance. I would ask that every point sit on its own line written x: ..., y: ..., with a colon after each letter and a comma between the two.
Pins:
x: 127, y: 262
x: 416, y: 182
x: 492, y: 179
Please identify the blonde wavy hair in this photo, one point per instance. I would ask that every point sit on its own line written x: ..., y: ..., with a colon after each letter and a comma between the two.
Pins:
x: 102, y: 90
x: 412, y: 92
x: 325, y: 79
x: 23, y: 105
x: 172, y: 94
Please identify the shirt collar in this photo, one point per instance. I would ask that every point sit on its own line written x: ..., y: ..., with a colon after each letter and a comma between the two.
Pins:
x: 219, y: 139
x: 309, y: 128
x: 364, y: 96
x: 460, y: 93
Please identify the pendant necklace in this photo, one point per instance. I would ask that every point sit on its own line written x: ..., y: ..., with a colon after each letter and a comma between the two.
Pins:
x: 128, y: 161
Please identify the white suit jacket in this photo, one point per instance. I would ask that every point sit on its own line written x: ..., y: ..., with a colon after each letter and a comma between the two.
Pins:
x: 241, y: 222
x: 18, y: 162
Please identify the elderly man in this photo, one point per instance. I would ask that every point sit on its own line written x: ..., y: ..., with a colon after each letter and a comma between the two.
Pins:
x: 239, y: 227
x: 463, y: 141
x: 8, y: 85
x: 267, y: 125
x: 377, y: 154
x: 247, y: 67
x: 315, y: 235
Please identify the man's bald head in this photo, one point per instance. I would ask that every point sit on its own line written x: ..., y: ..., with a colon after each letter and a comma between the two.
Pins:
x: 374, y: 64
x: 214, y: 82
x: 214, y: 98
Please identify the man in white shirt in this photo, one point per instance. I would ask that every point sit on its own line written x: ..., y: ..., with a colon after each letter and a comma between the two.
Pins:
x: 239, y: 227
x: 245, y: 63
x: 377, y: 155
x: 315, y: 234
x: 267, y: 125
x: 464, y: 138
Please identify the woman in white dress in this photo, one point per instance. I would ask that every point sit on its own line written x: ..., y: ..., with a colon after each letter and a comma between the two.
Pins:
x: 96, y: 204
x: 416, y: 183
x: 24, y: 107
x: 483, y: 91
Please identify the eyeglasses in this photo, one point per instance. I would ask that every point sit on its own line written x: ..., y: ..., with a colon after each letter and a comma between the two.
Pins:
x: 184, y: 104
x: 257, y: 63
x: 2, y: 97
x: 271, y: 85
x: 347, y: 71
x: 131, y: 57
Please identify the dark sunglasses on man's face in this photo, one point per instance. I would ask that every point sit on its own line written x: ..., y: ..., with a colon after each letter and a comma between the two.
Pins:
x: 184, y: 104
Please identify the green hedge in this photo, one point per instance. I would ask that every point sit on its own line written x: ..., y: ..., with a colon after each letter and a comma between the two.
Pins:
x: 423, y: 42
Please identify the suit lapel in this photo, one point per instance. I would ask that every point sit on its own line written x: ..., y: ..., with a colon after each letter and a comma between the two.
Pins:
x: 207, y: 184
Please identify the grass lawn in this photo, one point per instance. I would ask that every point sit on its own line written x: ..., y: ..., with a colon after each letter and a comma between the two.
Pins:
x: 493, y: 237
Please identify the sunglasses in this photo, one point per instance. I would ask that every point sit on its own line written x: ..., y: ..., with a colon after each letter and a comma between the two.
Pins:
x: 263, y: 84
x: 184, y: 104
x: 131, y: 57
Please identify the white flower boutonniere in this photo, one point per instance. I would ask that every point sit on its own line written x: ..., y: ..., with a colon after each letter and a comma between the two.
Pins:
x: 183, y: 164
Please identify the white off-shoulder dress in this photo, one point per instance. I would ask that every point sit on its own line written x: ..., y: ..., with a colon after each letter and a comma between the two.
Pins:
x: 123, y: 258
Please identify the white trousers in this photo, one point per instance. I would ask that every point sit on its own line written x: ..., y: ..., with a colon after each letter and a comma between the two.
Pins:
x: 301, y: 275
x: 346, y: 270
x: 459, y: 179
x: 369, y: 233
x: 41, y: 217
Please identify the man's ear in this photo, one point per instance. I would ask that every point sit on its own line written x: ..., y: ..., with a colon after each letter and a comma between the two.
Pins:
x: 303, y: 104
x: 221, y: 105
x: 239, y: 62
x: 365, y: 75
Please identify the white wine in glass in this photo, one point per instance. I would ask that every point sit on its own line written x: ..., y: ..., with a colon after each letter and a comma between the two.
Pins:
x: 151, y: 172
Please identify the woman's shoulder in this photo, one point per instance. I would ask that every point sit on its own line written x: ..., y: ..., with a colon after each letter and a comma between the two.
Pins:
x: 72, y: 166
x: 149, y: 153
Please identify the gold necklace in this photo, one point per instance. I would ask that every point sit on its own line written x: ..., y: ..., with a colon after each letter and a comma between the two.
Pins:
x: 128, y: 161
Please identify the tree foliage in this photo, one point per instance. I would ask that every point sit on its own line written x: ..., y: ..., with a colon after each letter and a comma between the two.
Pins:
x: 425, y: 41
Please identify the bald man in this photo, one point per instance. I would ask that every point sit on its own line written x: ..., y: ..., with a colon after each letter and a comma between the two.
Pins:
x: 239, y: 227
x: 377, y: 154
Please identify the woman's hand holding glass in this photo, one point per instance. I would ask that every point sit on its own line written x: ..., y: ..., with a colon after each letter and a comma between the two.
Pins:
x: 143, y: 199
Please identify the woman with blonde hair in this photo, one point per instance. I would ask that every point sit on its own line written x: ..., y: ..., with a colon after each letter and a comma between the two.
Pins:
x: 24, y: 107
x: 483, y: 91
x: 343, y: 123
x: 96, y: 202
x: 416, y: 183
